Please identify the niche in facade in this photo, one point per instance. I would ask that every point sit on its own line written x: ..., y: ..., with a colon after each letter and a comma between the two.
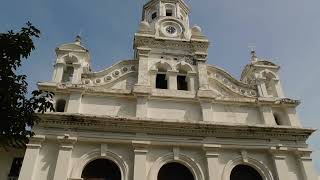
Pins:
x: 169, y: 12
x: 60, y: 105
x: 101, y: 169
x: 244, y: 172
x: 175, y: 171
x: 154, y: 15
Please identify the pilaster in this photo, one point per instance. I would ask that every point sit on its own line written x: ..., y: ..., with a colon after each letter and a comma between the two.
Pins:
x: 142, y: 107
x: 191, y: 81
x: 267, y: 115
x: 140, y: 159
x: 58, y: 72
x: 64, y: 157
x: 143, y: 75
x: 30, y: 160
x: 212, y: 155
x: 202, y: 70
x: 172, y: 79
x: 74, y: 103
x: 305, y: 164
x: 206, y: 107
x: 76, y: 78
x: 279, y: 155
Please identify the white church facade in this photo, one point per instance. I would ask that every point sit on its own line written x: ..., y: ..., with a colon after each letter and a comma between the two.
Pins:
x: 165, y: 115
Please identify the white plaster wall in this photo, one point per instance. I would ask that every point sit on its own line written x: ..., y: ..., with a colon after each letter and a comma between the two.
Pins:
x: 6, y: 158
x: 47, y: 161
x: 293, y: 168
x: 236, y: 114
x: 188, y: 111
x: 112, y: 106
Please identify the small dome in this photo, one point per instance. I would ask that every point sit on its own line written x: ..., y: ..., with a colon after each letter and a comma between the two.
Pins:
x: 144, y: 26
x: 196, y: 30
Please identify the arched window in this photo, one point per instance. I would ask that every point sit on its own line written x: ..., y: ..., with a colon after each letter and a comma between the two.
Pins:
x: 174, y: 171
x: 244, y: 172
x: 182, y: 82
x: 60, y: 105
x: 161, y: 78
x: 101, y: 169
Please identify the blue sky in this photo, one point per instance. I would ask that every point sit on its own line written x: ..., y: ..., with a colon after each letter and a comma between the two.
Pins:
x: 287, y: 31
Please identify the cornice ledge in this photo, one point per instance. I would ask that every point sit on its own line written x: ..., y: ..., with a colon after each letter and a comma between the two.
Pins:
x: 172, y: 127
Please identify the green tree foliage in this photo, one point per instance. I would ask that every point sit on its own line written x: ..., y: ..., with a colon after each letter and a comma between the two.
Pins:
x: 17, y: 111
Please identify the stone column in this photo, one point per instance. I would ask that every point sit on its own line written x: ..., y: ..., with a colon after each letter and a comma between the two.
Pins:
x: 212, y: 155
x: 207, y: 113
x: 278, y: 88
x: 153, y: 78
x: 279, y: 158
x: 30, y: 160
x: 76, y: 77
x: 262, y: 89
x: 140, y: 159
x: 58, y: 72
x: 143, y: 74
x: 142, y: 107
x: 305, y: 164
x: 172, y: 79
x: 292, y: 116
x: 64, y: 157
x: 192, y: 81
x: 74, y: 103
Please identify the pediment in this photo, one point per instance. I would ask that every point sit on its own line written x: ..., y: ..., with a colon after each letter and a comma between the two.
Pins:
x: 226, y: 85
x: 72, y: 47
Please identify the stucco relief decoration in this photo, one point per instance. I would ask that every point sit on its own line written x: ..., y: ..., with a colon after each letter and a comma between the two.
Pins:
x: 109, y: 75
x: 227, y: 81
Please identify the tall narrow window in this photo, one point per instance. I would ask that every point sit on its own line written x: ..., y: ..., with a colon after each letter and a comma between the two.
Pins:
x: 161, y: 81
x: 60, y: 105
x: 15, y: 168
x: 182, y: 83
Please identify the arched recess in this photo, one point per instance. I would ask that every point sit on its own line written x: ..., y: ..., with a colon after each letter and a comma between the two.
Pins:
x: 193, y: 166
x: 185, y: 77
x: 259, y: 166
x: 271, y: 81
x: 160, y: 80
x: 96, y: 154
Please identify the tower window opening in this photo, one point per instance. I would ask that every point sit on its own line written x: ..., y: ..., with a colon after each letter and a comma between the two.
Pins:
x: 60, y: 105
x: 182, y: 83
x: 154, y: 15
x: 15, y: 168
x: 68, y: 74
x: 161, y: 81
x: 169, y: 12
x: 277, y: 119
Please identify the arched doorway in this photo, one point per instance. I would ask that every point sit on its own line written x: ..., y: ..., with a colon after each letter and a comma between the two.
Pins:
x: 101, y: 169
x: 244, y: 172
x: 174, y: 171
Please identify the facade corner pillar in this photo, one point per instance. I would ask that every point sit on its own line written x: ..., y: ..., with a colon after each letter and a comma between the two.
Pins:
x: 212, y: 152
x: 140, y: 159
x: 64, y: 157
x: 31, y: 156
x: 279, y: 155
x: 305, y: 164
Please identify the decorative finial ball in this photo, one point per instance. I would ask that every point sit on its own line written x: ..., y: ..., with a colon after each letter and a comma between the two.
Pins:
x: 196, y: 30
x: 144, y: 26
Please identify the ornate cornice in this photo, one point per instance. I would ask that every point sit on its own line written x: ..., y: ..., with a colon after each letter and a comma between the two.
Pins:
x: 152, y: 126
